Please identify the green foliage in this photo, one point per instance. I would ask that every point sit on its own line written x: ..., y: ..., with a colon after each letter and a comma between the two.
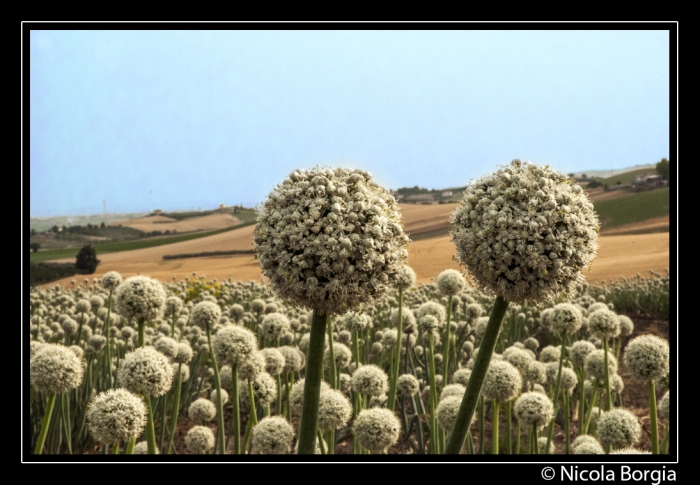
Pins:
x: 633, y: 208
x: 594, y: 183
x: 114, y: 247
x: 40, y: 273
x: 86, y: 259
x: 663, y: 168
x: 626, y: 178
x: 34, y: 246
x: 649, y: 296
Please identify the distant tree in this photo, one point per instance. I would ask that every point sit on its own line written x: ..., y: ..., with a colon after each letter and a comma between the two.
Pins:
x: 594, y: 183
x: 584, y: 176
x: 54, y: 229
x: 33, y: 232
x: 663, y: 168
x: 102, y: 226
x: 87, y: 259
x: 35, y: 246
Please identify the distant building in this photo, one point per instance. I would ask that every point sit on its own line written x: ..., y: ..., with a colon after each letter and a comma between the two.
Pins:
x: 648, y: 180
x: 420, y: 199
x: 222, y: 206
x: 447, y: 193
x: 157, y: 212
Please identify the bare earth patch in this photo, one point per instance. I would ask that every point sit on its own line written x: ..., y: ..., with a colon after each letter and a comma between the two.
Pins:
x: 419, y: 218
x: 654, y: 224
x: 621, y: 255
x: 162, y: 223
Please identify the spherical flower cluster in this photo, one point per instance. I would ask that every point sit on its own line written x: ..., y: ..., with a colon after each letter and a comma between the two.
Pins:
x: 595, y: 364
x: 293, y: 359
x: 450, y: 282
x: 428, y: 323
x: 184, y: 353
x: 502, y: 381
x: 407, y: 385
x: 370, y: 380
x: 233, y: 345
x: 461, y: 376
x: 355, y: 322
x: 82, y: 306
x: 264, y: 389
x: 296, y: 395
x: 274, y: 361
x: 536, y: 373
x: 586, y: 444
x: 330, y: 240
x: 145, y: 371
x: 647, y: 357
x: 214, y: 396
x: 111, y: 280
x: 405, y: 279
x: 408, y: 320
x: 167, y: 346
x: 334, y: 410
x: 604, y: 324
x: 273, y: 436
x: 626, y: 325
x: 533, y: 408
x: 520, y: 358
x: 525, y: 232
x: 629, y: 451
x: 173, y: 306
x: 452, y: 390
x: 343, y: 356
x: 236, y: 312
x: 141, y: 297
x: 251, y: 368
x: 550, y: 354
x: 199, y: 439
x: 566, y: 318
x: 116, y: 416
x: 141, y: 448
x: 447, y: 411
x: 376, y: 429
x: 433, y: 309
x: 274, y: 325
x: 578, y: 352
x: 531, y: 343
x: 55, y: 368
x: 205, y: 314
x: 619, y: 428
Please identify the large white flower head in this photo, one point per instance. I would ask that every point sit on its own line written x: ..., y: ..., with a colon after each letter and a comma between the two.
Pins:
x: 111, y: 280
x: 330, y: 240
x: 525, y: 232
x: 450, y: 282
x: 145, y: 371
x: 141, y: 297
x: 377, y: 428
x: 55, y: 368
x: 647, y: 357
x: 116, y: 415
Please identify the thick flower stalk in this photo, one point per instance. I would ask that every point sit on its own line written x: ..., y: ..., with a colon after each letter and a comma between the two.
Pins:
x: 524, y: 233
x: 330, y: 240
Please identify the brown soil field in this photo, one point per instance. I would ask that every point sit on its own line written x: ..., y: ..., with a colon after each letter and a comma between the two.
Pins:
x: 599, y: 193
x: 162, y: 223
x: 419, y: 218
x: 659, y: 224
x: 622, y: 255
x: 619, y: 255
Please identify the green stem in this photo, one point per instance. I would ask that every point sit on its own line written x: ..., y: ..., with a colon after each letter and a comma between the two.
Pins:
x: 654, y: 424
x: 130, y: 447
x: 482, y: 419
x: 150, y: 428
x: 590, y: 409
x: 115, y: 448
x: 142, y: 334
x: 663, y: 447
x: 446, y: 345
x: 517, y: 443
x: 567, y: 415
x: 109, y: 346
x: 312, y: 385
x: 509, y: 426
x: 396, y: 357
x: 45, y: 423
x: 176, y: 409
x: 555, y: 399
x: 494, y: 426
x: 332, y: 372
x: 235, y: 414
x: 433, y: 394
x: 476, y: 380
x: 67, y: 423
x: 608, y: 402
x: 219, y: 403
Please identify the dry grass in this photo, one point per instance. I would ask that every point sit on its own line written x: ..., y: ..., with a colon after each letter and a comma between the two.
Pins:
x: 162, y: 223
x: 620, y: 255
x: 419, y: 218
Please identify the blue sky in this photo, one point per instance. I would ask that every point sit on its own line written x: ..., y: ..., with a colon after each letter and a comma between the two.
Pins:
x: 191, y: 119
